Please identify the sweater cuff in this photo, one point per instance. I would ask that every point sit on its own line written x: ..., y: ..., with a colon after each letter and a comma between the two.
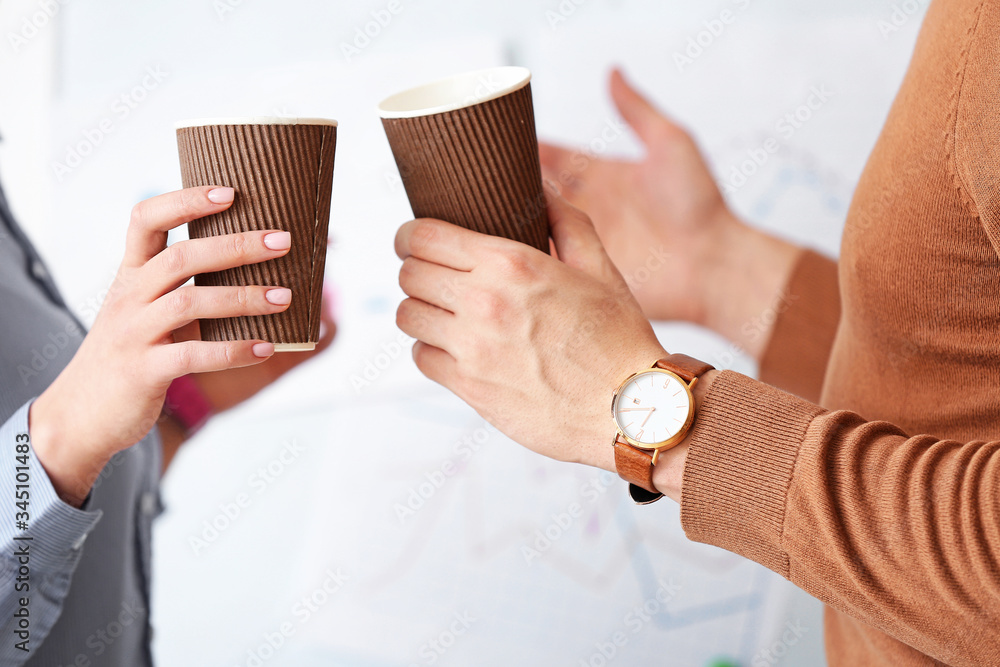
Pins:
x: 739, y: 467
x: 797, y: 353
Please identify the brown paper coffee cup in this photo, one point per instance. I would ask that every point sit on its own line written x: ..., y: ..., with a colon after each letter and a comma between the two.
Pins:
x: 282, y: 170
x: 467, y: 153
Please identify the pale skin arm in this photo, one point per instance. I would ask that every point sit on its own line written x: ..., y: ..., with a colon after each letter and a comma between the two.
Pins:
x: 173, y: 436
x: 722, y: 273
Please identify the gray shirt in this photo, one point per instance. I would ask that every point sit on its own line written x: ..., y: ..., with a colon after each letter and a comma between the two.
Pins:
x: 78, y: 579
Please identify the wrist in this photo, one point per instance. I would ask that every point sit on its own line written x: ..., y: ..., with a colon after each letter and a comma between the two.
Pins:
x: 668, y: 475
x: 70, y: 464
x: 742, y: 282
x: 713, y: 257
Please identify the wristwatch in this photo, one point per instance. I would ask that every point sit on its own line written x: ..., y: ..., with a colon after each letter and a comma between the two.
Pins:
x: 653, y: 410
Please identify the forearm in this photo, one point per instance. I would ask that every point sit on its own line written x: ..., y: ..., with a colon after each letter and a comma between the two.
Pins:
x: 742, y: 283
x: 172, y: 435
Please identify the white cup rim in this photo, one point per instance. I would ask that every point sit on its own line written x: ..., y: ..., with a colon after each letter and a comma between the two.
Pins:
x: 455, y: 92
x: 253, y: 120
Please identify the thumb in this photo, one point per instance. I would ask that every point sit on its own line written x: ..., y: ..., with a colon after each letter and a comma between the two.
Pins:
x: 575, y: 239
x: 639, y: 112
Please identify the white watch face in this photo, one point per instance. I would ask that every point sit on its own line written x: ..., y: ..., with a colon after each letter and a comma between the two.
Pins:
x: 652, y: 407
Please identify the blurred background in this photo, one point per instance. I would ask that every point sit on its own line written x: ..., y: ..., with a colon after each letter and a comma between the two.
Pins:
x: 355, y: 513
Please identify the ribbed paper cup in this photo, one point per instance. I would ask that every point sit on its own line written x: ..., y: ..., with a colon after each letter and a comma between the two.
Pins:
x: 282, y: 170
x: 467, y: 153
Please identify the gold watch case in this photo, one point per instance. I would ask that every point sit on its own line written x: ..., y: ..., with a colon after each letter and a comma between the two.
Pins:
x: 664, y: 445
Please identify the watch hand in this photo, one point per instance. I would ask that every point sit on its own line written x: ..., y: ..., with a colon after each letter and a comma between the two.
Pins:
x: 635, y: 409
x: 651, y: 411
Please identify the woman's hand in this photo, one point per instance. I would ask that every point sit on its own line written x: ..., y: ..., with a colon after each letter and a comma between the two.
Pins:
x: 537, y: 345
x: 666, y: 226
x: 227, y: 389
x: 111, y: 393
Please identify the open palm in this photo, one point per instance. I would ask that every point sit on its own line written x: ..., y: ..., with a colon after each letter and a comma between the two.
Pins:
x: 658, y: 218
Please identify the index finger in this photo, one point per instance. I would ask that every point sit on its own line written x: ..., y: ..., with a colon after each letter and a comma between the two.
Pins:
x: 444, y: 243
x: 154, y: 217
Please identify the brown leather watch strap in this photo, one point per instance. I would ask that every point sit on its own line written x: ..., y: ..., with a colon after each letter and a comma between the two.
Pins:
x: 687, y: 368
x: 634, y: 465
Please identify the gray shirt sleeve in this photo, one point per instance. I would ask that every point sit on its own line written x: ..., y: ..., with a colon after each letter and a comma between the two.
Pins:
x: 41, y: 538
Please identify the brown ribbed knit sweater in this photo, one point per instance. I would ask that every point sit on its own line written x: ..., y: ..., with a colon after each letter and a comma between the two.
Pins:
x: 898, y: 532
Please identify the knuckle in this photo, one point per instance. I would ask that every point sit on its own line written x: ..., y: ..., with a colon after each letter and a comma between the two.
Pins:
x: 515, y: 265
x: 137, y: 218
x: 237, y: 245
x: 183, y: 359
x: 241, y: 297
x: 490, y: 305
x: 406, y: 315
x: 406, y: 272
x: 423, y: 235
x: 180, y: 302
x: 402, y: 313
x: 186, y: 204
x: 175, y: 259
x: 420, y: 356
x: 229, y: 355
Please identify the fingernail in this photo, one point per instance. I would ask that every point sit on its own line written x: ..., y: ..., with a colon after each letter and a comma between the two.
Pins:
x: 278, y: 241
x: 263, y: 350
x: 221, y: 195
x: 280, y: 296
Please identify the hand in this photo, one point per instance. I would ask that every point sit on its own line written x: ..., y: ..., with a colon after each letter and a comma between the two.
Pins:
x: 111, y: 393
x: 537, y: 345
x: 666, y: 226
x: 228, y: 388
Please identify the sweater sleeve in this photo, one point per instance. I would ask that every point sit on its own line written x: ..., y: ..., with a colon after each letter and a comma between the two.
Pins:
x: 796, y: 355
x: 900, y: 532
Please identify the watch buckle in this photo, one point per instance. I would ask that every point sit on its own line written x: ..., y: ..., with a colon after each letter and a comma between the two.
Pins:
x: 641, y: 496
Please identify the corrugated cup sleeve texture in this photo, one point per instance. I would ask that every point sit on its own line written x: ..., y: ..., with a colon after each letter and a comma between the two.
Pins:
x: 283, y: 176
x: 476, y: 167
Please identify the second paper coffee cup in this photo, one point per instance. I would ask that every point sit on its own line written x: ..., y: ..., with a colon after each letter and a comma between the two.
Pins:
x: 467, y: 153
x: 282, y: 171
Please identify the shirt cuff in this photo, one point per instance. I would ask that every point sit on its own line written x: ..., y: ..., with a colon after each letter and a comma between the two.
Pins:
x: 56, y: 530
x: 739, y: 467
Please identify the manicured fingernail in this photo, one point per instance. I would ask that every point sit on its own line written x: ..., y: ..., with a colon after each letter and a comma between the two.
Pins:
x: 280, y: 296
x: 221, y: 195
x: 263, y: 350
x: 278, y: 241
